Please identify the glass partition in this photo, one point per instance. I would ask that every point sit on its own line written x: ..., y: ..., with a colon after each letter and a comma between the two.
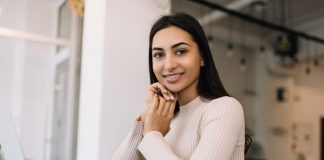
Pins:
x: 36, y: 119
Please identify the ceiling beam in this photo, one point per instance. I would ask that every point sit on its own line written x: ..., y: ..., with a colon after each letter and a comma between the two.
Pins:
x: 259, y: 22
x: 217, y: 15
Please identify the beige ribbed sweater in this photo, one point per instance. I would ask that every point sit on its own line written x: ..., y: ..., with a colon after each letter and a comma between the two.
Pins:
x: 203, y: 130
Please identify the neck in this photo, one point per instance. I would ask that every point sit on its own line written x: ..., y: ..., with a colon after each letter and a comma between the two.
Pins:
x: 187, y: 95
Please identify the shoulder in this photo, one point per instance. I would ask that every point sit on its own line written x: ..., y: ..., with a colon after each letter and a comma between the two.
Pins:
x: 224, y: 102
x: 226, y: 107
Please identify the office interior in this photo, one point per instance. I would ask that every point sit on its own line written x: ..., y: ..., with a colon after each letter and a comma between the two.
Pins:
x: 73, y: 73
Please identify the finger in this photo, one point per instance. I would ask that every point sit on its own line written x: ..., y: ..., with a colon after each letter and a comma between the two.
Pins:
x: 172, y: 106
x: 155, y: 103
x: 159, y: 87
x: 163, y: 90
x: 167, y: 106
x: 162, y: 102
x: 152, y: 89
x: 171, y: 95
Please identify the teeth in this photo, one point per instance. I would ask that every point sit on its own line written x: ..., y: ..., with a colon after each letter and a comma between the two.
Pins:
x: 172, y: 75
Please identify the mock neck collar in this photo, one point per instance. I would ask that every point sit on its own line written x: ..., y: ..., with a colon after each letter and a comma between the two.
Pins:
x: 191, y: 105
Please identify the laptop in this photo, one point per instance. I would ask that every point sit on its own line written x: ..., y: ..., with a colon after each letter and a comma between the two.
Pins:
x: 10, y: 147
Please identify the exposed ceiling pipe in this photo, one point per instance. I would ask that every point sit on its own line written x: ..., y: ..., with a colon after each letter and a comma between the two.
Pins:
x: 258, y: 21
x: 217, y: 15
x: 273, y: 64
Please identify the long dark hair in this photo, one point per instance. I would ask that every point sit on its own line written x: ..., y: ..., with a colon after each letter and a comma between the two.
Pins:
x: 209, y: 84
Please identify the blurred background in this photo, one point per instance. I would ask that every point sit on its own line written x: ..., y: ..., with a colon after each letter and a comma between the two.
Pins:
x: 73, y: 73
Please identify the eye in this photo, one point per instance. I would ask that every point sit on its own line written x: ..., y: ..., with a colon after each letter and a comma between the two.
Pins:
x: 181, y: 51
x: 157, y: 54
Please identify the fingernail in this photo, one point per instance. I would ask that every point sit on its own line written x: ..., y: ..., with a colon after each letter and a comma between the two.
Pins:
x: 172, y: 98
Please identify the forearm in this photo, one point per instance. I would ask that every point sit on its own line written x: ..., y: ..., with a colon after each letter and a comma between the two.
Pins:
x: 128, y: 149
x: 154, y: 147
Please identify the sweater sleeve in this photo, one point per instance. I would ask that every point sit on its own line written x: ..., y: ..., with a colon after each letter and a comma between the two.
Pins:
x: 154, y: 147
x: 128, y: 149
x: 221, y: 125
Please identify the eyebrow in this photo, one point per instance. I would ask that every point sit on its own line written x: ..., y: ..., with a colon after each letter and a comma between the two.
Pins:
x: 173, y: 46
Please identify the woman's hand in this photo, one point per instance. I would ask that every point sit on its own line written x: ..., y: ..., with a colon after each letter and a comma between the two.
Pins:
x: 159, y: 115
x: 155, y: 88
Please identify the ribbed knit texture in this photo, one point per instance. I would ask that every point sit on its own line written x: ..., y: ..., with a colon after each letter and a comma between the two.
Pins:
x: 128, y: 149
x: 203, y: 130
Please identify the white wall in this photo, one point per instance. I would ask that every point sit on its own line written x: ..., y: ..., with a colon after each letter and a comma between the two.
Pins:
x: 310, y: 107
x: 279, y: 118
x: 304, y: 106
x: 125, y: 68
x: 115, y: 58
x: 304, y: 103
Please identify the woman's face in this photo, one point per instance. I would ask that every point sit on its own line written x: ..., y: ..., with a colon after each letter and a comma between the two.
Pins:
x: 176, y: 59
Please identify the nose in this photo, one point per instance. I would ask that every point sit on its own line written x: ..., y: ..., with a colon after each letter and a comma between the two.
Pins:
x: 170, y: 63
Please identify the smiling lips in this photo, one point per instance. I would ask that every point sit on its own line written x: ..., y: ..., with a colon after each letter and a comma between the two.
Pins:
x: 173, y: 78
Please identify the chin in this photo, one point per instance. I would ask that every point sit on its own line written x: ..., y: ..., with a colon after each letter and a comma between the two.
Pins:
x: 174, y: 88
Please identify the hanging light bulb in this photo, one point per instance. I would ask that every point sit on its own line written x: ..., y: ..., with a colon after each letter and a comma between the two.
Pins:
x: 316, y: 63
x: 308, y: 58
x: 230, y: 50
x: 262, y: 49
x: 307, y: 70
x: 242, y: 65
x: 230, y: 46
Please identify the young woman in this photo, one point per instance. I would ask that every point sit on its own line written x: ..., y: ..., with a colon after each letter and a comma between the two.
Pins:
x: 189, y: 114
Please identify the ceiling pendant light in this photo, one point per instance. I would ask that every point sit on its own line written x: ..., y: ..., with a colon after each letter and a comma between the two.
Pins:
x: 307, y: 70
x: 308, y: 58
x: 242, y: 65
x: 230, y: 50
x: 315, y: 62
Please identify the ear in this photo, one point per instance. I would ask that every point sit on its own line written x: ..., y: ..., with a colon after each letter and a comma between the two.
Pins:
x: 202, y: 62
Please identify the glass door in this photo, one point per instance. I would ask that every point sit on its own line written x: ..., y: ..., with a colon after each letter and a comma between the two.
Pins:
x: 39, y: 64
